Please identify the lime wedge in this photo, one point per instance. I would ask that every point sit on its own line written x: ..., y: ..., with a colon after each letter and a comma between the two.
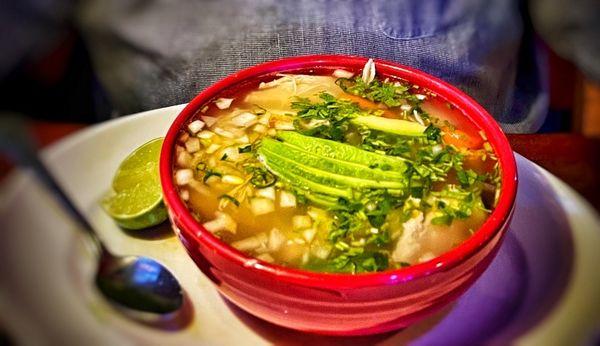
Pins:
x: 136, y: 201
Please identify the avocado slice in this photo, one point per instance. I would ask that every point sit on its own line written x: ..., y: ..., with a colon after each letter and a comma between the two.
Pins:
x: 321, y: 200
x: 330, y: 165
x: 395, y: 126
x: 320, y: 176
x: 340, y: 151
x: 300, y: 179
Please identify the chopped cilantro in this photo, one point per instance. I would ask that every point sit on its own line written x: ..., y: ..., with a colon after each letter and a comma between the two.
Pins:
x: 261, y: 177
x: 467, y: 178
x: 209, y: 173
x: 337, y: 112
x: 245, y: 149
x: 433, y: 133
x: 201, y: 166
x: 390, y: 94
x: 231, y: 199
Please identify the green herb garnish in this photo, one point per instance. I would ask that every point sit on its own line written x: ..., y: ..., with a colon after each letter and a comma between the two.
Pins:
x: 231, y: 199
x: 246, y: 149
x: 261, y: 177
x: 210, y: 173
x: 390, y: 94
x: 334, y: 112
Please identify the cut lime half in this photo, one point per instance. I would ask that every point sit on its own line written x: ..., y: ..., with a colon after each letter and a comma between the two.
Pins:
x: 136, y: 201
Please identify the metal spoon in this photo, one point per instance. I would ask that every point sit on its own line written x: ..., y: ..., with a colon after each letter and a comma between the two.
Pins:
x: 134, y: 282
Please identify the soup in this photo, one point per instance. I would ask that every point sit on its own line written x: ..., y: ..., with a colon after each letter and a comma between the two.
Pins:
x: 336, y: 172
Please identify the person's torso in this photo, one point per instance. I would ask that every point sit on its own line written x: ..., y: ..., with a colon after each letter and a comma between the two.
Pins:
x: 151, y: 54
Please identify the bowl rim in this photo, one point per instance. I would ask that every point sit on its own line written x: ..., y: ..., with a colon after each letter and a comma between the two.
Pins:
x: 495, y: 223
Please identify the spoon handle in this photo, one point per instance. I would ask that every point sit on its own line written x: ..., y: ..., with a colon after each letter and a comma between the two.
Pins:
x: 16, y: 142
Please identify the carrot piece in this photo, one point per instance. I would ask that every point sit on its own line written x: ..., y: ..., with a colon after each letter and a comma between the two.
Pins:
x: 475, y: 161
x: 461, y: 139
x: 367, y: 104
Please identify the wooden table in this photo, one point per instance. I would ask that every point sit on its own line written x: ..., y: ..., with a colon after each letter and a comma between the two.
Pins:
x: 573, y: 158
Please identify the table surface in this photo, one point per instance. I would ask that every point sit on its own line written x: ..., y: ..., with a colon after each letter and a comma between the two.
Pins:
x: 573, y: 158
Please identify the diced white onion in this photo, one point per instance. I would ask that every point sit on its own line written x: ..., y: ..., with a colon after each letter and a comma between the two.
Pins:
x: 261, y: 206
x: 232, y: 153
x: 223, y: 133
x: 212, y: 179
x: 342, y: 74
x: 305, y: 257
x: 222, y: 222
x: 370, y: 206
x: 420, y: 97
x: 184, y: 159
x: 309, y: 234
x: 209, y: 120
x: 244, y: 139
x: 245, y: 119
x: 276, y: 239
x: 264, y: 119
x: 266, y: 257
x: 267, y: 192
x: 223, y: 103
x: 192, y: 145
x: 232, y: 179
x: 212, y: 161
x: 205, y: 134
x: 316, y: 122
x: 287, y: 199
x: 212, y: 148
x: 246, y: 244
x: 284, y: 125
x: 426, y: 257
x: 316, y: 213
x: 195, y: 126
x: 406, y: 107
x: 301, y: 221
x: 250, y: 243
x: 320, y: 251
x: 184, y: 176
x: 275, y: 82
x: 184, y: 194
x: 259, y: 128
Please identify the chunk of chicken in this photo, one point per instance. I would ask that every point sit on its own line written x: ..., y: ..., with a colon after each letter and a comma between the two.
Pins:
x: 409, y: 245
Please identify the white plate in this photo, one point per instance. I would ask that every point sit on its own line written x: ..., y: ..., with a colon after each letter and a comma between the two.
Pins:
x: 46, y: 296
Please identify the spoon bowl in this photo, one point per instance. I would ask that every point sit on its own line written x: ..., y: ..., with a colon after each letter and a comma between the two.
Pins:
x: 137, y: 283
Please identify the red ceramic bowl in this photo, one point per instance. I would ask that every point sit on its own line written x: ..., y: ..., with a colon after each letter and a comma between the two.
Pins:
x: 341, y: 304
